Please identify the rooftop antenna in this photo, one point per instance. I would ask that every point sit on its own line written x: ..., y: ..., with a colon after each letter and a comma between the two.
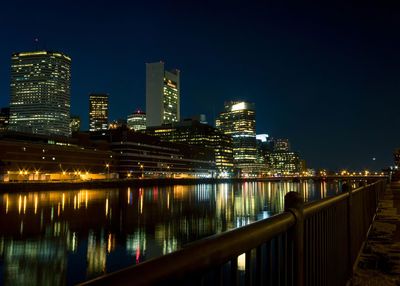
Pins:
x: 36, y: 40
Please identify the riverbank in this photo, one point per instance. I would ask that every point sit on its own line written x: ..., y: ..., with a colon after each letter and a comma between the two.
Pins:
x: 34, y: 186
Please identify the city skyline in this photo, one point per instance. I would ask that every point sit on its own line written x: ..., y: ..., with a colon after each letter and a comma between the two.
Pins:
x: 319, y: 97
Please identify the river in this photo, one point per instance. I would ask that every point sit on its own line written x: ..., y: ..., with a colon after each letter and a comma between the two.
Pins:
x: 67, y: 237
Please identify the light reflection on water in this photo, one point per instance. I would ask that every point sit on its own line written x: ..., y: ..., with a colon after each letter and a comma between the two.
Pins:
x: 66, y: 237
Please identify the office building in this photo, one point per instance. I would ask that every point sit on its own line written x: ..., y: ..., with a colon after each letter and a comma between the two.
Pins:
x: 285, y: 163
x: 141, y: 155
x: 194, y: 132
x: 238, y: 120
x: 41, y: 157
x: 4, y: 118
x: 137, y: 120
x: 98, y: 112
x: 40, y: 93
x: 162, y: 94
x: 302, y: 166
x: 75, y: 123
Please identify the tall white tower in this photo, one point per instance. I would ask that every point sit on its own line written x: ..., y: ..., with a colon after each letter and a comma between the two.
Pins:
x: 162, y: 95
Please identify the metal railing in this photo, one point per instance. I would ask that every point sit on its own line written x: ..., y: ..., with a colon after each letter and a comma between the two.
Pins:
x: 309, y: 244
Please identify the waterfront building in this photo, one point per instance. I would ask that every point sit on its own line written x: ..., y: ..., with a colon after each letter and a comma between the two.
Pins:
x: 162, y: 94
x: 263, y: 148
x: 238, y: 120
x: 194, y: 132
x: 75, y: 123
x: 4, y: 118
x: 302, y: 166
x: 40, y: 93
x: 98, y: 112
x: 137, y: 120
x: 284, y: 163
x: 143, y: 155
x: 26, y: 157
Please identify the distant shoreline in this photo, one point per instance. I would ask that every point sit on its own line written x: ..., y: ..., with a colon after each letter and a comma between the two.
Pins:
x: 35, y: 186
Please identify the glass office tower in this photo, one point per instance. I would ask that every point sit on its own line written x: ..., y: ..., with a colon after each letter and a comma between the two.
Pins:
x: 40, y: 93
x: 239, y: 121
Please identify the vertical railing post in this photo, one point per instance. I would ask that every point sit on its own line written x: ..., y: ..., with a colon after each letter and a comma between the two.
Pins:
x: 346, y: 188
x: 294, y: 204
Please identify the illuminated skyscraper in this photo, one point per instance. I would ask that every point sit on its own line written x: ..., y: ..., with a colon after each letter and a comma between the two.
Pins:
x: 162, y: 94
x: 98, y: 112
x: 239, y: 120
x: 137, y: 120
x: 40, y: 93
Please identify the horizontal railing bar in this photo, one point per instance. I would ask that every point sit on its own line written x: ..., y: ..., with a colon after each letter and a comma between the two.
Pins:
x: 312, y: 208
x: 200, y: 255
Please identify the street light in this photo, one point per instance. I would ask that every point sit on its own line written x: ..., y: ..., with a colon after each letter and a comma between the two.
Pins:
x: 108, y: 171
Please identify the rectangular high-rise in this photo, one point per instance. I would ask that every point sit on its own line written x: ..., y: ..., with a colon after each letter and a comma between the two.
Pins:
x: 40, y: 93
x: 162, y: 95
x: 239, y: 121
x: 98, y: 112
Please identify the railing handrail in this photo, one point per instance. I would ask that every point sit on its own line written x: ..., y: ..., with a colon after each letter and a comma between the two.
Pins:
x: 311, y: 208
x: 215, y: 250
x: 202, y: 254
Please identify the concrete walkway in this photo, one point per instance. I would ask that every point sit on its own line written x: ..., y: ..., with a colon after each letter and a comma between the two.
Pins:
x: 379, y: 263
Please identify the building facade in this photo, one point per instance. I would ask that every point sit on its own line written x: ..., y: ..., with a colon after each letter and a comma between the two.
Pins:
x: 195, y: 133
x: 238, y: 120
x: 98, y: 112
x: 75, y: 123
x: 137, y: 120
x: 4, y: 118
x: 39, y: 157
x: 40, y: 93
x: 285, y: 163
x: 141, y: 155
x: 162, y: 94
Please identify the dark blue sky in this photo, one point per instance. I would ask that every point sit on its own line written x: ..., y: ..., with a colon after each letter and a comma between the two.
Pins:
x: 326, y: 76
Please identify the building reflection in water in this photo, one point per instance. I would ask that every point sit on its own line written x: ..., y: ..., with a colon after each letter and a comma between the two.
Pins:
x: 66, y: 237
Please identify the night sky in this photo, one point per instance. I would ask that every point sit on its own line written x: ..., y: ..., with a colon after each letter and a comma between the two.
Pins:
x: 325, y: 77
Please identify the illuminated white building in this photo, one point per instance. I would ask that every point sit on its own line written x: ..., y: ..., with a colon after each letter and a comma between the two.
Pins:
x: 162, y: 94
x: 40, y: 93
x: 137, y: 120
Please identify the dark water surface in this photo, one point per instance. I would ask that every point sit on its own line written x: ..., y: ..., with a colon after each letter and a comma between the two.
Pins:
x: 67, y: 237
